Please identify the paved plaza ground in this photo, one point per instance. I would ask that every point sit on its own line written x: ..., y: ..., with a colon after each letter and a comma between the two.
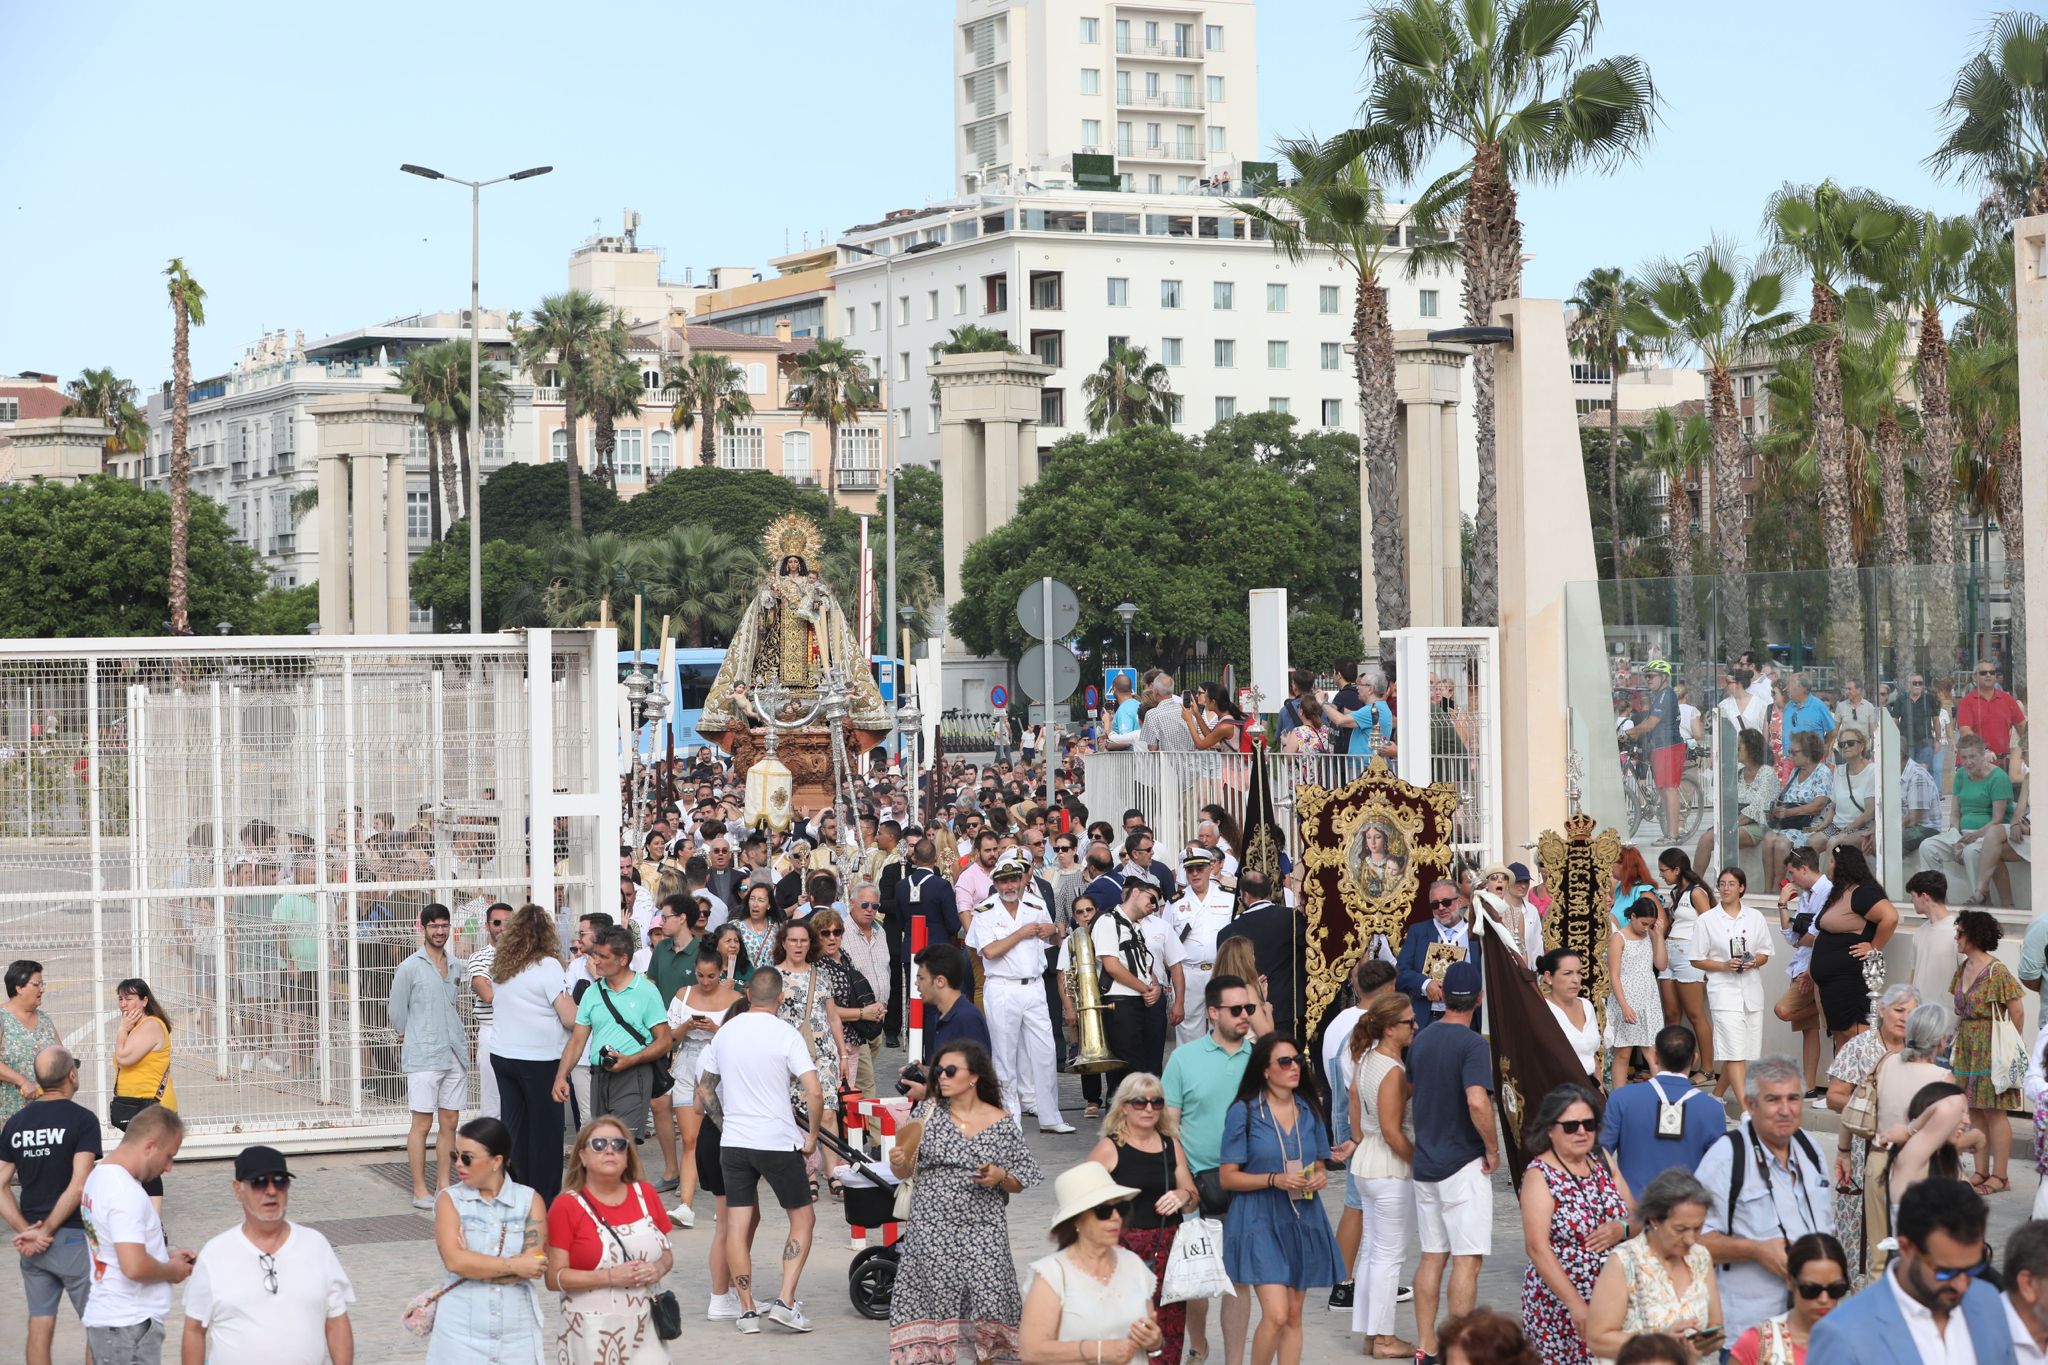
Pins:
x: 361, y: 1202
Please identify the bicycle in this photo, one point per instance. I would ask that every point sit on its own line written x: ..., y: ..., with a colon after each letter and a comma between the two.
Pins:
x: 1644, y: 804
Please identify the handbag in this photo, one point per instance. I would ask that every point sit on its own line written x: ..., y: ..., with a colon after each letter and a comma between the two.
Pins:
x: 662, y: 1308
x: 1194, y: 1265
x: 2008, y: 1056
x: 664, y: 1076
x: 122, y: 1109
x: 1859, y: 1115
x: 1215, y: 1200
x: 418, y: 1317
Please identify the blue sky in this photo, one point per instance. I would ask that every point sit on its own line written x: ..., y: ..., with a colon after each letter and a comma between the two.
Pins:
x: 261, y: 143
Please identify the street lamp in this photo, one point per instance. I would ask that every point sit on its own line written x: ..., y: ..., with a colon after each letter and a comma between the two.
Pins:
x: 1128, y: 611
x: 476, y: 447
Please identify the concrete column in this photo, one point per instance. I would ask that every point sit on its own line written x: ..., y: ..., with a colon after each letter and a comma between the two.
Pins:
x: 2030, y: 264
x: 397, y: 545
x: 367, y: 584
x: 333, y: 543
x: 999, y: 486
x: 1426, y: 382
x: 953, y: 440
x: 1546, y: 542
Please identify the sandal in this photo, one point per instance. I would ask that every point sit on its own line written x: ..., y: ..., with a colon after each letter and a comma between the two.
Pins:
x: 1994, y: 1184
x: 1094, y: 1111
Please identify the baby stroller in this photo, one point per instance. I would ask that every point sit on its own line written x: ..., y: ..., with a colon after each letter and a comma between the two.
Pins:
x: 870, y: 1190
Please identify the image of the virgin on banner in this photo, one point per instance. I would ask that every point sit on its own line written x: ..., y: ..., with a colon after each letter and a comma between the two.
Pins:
x: 1369, y: 851
x: 1531, y: 1055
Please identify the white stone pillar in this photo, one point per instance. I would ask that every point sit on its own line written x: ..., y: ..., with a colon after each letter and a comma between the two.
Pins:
x: 1426, y: 382
x: 999, y: 484
x: 2030, y: 265
x: 397, y: 559
x: 367, y: 583
x: 1546, y: 542
x: 334, y: 618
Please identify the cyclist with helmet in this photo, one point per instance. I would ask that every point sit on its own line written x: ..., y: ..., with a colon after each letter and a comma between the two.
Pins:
x: 1659, y: 734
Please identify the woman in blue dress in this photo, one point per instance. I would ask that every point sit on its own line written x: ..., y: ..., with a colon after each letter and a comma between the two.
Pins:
x: 1276, y: 1238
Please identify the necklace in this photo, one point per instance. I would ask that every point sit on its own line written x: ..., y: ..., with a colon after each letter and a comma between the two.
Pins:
x: 1101, y: 1273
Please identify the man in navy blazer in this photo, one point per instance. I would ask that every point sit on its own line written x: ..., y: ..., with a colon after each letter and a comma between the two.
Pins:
x: 1629, y: 1128
x: 1445, y: 925
x: 1929, y: 1305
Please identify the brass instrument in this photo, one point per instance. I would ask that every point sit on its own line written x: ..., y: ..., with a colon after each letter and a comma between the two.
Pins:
x: 1084, y: 984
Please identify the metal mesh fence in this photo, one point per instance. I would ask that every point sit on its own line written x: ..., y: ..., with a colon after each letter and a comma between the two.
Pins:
x: 254, y: 833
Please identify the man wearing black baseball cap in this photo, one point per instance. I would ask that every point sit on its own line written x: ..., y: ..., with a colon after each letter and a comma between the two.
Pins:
x: 268, y: 1289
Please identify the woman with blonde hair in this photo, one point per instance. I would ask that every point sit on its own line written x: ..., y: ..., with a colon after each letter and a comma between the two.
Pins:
x: 1385, y: 1143
x: 1140, y: 1149
x: 531, y: 1014
x: 1236, y: 957
x: 607, y: 1251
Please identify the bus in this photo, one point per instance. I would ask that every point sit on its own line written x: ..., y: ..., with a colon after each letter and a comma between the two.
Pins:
x: 695, y: 671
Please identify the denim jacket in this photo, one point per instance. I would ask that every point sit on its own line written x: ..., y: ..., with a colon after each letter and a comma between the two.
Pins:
x: 423, y: 1013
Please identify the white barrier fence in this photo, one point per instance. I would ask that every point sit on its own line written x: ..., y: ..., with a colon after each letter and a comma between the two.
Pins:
x: 252, y: 826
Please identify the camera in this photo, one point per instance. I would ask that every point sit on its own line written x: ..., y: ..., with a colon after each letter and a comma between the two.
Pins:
x: 912, y: 1075
x: 607, y: 1058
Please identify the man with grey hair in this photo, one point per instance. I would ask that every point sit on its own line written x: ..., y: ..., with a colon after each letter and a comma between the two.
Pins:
x: 1767, y: 1187
x: 51, y: 1143
x: 1371, y: 722
x: 1165, y: 727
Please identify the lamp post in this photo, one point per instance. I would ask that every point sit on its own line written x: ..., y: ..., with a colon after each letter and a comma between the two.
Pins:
x: 906, y: 705
x: 1129, y: 611
x: 476, y: 447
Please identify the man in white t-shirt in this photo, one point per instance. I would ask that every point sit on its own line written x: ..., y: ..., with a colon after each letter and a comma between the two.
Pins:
x: 1934, y: 943
x: 132, y: 1269
x: 268, y: 1289
x: 743, y: 1086
x: 1732, y: 950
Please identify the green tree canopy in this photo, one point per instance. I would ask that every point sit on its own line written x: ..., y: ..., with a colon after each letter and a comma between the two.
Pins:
x: 529, y: 503
x: 285, y: 611
x: 1325, y: 465
x: 515, y: 575
x: 739, y: 502
x: 1183, y: 529
x: 93, y: 559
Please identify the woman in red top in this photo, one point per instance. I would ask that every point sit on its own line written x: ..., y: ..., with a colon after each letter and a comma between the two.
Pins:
x: 607, y: 1251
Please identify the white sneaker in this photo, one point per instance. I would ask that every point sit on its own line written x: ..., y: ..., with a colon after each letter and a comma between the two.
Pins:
x: 789, y: 1315
x: 684, y: 1215
x: 725, y: 1307
x: 1060, y: 1129
x: 749, y: 1322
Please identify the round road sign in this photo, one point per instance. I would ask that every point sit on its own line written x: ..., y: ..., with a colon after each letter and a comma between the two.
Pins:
x: 1066, y: 673
x: 1092, y: 697
x: 999, y: 698
x: 1066, y: 611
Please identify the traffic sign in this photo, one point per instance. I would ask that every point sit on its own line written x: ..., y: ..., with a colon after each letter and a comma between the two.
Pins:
x: 1066, y: 611
x: 1091, y: 697
x: 1109, y: 677
x: 999, y: 698
x: 1066, y: 672
x: 1061, y: 714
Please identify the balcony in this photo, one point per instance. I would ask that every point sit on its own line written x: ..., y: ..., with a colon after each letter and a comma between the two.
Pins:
x: 859, y: 478
x: 287, y: 542
x: 1166, y: 48
x: 1158, y: 99
x: 1161, y: 151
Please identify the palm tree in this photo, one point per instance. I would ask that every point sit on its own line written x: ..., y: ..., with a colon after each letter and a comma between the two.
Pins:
x: 1509, y: 82
x: 493, y: 396
x: 712, y: 398
x: 1986, y: 394
x: 427, y: 377
x: 570, y: 329
x: 1674, y: 450
x: 1337, y: 204
x: 1995, y: 121
x: 587, y: 573
x: 613, y: 391
x: 1600, y: 335
x: 1725, y: 309
x: 701, y: 577
x: 104, y: 395
x: 188, y: 310
x: 972, y: 339
x: 832, y: 386
x: 1128, y: 390
x: 1834, y: 235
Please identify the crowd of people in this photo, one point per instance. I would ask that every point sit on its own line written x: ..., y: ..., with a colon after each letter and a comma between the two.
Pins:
x: 592, y: 1090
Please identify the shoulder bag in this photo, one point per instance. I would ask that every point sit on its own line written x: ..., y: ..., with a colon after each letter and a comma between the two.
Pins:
x: 664, y: 1078
x: 122, y: 1109
x: 1859, y: 1115
x: 418, y: 1317
x: 662, y: 1308
x: 1215, y: 1200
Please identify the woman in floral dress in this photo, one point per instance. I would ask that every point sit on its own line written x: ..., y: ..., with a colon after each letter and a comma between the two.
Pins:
x: 955, y: 1297
x: 25, y: 1029
x: 1574, y: 1211
x: 807, y: 1000
x: 1985, y: 992
x: 1856, y: 1060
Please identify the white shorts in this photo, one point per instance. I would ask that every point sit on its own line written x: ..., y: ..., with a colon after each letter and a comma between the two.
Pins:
x: 1738, y: 1034
x: 427, y: 1091
x: 1682, y: 970
x: 1455, y: 1214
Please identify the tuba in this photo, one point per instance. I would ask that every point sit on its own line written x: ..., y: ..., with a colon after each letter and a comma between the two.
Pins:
x: 1084, y: 982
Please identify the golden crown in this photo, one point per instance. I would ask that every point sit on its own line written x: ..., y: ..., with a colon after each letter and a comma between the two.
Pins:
x: 793, y: 533
x: 1579, y: 828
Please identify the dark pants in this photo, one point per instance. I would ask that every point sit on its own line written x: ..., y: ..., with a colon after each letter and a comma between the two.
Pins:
x: 1136, y: 1033
x: 900, y: 969
x: 1055, y: 1010
x: 529, y: 1108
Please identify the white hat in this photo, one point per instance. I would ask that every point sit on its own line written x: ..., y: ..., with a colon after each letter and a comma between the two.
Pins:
x: 1086, y: 1186
x: 1011, y: 864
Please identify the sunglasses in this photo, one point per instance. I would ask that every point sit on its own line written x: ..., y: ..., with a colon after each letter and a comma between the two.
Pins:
x: 1291, y: 1059
x: 1943, y: 1275
x: 1443, y: 902
x: 1236, y: 1011
x: 869, y: 905
x: 1145, y: 848
x: 1148, y: 1102
x: 949, y: 1070
x: 268, y: 1263
x: 463, y: 1158
x: 1403, y: 1023
x: 277, y: 1180
x: 1987, y: 673
x: 1105, y: 1212
x: 608, y: 1144
x: 1813, y: 1289
x: 1063, y: 848
x: 1578, y: 1125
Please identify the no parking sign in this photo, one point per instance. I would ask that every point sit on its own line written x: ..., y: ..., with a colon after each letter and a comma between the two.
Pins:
x: 1092, y: 697
x: 999, y: 698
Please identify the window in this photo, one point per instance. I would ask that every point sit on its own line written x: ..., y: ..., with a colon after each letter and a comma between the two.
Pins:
x: 875, y: 316
x: 1223, y: 295
x: 931, y: 304
x: 1276, y: 298
x: 860, y: 457
x: 1047, y: 287
x: 740, y: 448
x: 10, y: 409
x: 931, y: 419
x: 1332, y: 355
x: 1333, y: 412
x: 1212, y: 37
x: 903, y: 310
x: 959, y: 299
x: 1091, y: 83
x: 1169, y: 350
x: 1749, y: 386
x: 1169, y: 293
x: 1175, y: 410
x: 1091, y: 30
x: 1328, y: 298
x: 1226, y: 354
x: 1215, y: 89
x: 796, y: 457
x: 852, y: 325
x: 661, y: 454
x: 995, y: 293
x: 1049, y: 348
x: 1123, y: 84
x: 419, y: 441
x: 1218, y: 138
x: 558, y: 448
x: 628, y: 453
x: 757, y: 378
x: 650, y: 380
x: 1184, y: 185
x: 419, y: 516
x: 1123, y: 35
x: 1276, y: 355
x: 1151, y: 33
x: 1278, y: 405
x: 1116, y: 342
x: 1153, y: 184
x: 902, y: 367
x: 494, y: 444
x: 1119, y: 292
x: 1226, y: 408
x: 1091, y: 132
x: 1052, y: 407
x: 1426, y: 302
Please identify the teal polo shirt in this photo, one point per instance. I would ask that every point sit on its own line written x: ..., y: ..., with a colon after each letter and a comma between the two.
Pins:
x: 1201, y: 1081
x: 639, y: 1004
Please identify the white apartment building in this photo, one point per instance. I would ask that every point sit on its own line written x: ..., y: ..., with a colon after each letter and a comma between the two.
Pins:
x: 1169, y: 89
x: 1066, y: 274
x: 255, y: 445
x: 628, y: 276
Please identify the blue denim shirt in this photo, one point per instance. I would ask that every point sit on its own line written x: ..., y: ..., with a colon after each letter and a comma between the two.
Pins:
x: 423, y: 1013
x: 477, y: 1321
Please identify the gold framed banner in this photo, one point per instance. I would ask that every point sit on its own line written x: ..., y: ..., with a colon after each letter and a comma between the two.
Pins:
x: 1370, y: 850
x: 1578, y: 870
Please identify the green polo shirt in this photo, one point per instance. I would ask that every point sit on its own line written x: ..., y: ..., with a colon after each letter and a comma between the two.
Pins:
x: 639, y: 1005
x: 672, y: 969
x: 1201, y: 1081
